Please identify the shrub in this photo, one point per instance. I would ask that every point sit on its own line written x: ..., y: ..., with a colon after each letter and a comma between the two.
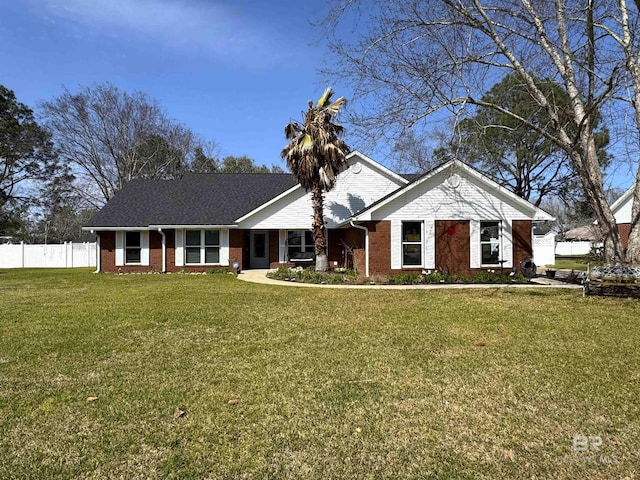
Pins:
x: 282, y: 273
x: 309, y: 275
x: 482, y: 277
x: 433, y: 277
x: 596, y: 254
x: 409, y: 278
x: 351, y: 272
x: 219, y: 271
x: 493, y: 277
x: 335, y: 279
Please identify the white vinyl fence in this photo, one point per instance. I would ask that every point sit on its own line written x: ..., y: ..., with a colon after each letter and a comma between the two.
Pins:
x: 69, y: 254
x: 573, y: 248
x: 544, y: 250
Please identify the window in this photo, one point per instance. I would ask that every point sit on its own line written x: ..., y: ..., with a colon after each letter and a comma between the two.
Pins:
x: 300, y: 245
x: 490, y: 243
x: 202, y: 246
x: 411, y: 244
x: 132, y: 247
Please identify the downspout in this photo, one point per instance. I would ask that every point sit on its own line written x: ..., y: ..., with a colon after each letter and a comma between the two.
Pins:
x: 164, y: 250
x: 98, y: 252
x: 366, y: 246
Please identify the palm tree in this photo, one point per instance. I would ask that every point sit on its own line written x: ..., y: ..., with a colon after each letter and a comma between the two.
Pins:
x: 315, y: 155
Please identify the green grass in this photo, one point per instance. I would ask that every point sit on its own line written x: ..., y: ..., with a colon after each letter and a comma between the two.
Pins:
x: 330, y: 383
x: 572, y: 262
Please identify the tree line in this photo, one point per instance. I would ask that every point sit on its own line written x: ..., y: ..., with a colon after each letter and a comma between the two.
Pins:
x: 55, y: 172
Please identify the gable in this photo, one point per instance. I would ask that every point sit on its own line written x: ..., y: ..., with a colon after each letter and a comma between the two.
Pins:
x: 357, y: 187
x: 454, y: 192
x: 621, y: 208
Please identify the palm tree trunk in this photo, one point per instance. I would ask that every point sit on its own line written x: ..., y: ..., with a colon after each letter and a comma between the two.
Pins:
x: 319, y: 237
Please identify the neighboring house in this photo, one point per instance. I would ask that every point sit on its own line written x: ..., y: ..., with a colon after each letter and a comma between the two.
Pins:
x: 452, y: 218
x: 584, y: 233
x: 621, y: 209
x: 579, y: 241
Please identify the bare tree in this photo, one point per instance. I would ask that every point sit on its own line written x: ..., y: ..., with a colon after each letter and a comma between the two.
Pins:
x: 622, y: 27
x: 112, y: 137
x: 413, y: 154
x: 415, y: 58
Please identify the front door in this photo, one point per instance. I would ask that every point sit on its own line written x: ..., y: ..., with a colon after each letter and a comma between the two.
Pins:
x: 259, y: 257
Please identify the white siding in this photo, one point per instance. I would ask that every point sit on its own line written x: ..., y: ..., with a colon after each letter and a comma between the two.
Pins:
x: 179, y: 247
x: 433, y: 198
x: 119, y: 248
x: 354, y: 190
x: 224, y: 247
x: 623, y: 213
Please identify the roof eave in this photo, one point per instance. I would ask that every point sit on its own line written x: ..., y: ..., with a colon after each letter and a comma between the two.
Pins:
x: 615, y: 206
x: 113, y: 229
x: 378, y: 166
x: 207, y: 226
x: 155, y: 227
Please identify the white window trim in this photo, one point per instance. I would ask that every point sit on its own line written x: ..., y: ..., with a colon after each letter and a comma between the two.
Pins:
x: 282, y: 247
x: 500, y: 244
x: 125, y: 247
x: 202, y: 247
x: 121, y: 248
x: 403, y: 243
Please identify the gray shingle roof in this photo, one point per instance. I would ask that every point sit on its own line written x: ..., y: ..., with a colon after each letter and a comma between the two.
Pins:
x: 195, y: 199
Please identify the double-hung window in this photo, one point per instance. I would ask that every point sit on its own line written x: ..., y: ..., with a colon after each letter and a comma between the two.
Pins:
x: 412, y: 244
x: 132, y: 248
x: 300, y: 245
x: 202, y: 247
x: 490, y: 233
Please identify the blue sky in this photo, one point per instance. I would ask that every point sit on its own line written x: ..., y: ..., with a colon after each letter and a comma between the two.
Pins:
x: 233, y: 71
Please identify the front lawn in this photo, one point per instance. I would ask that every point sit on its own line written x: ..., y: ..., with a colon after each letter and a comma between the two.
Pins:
x: 284, y: 382
x: 572, y: 262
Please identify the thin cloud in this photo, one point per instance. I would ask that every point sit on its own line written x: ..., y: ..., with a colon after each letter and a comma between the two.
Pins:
x: 206, y: 26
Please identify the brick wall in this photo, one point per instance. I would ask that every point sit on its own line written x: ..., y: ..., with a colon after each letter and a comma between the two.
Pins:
x: 274, y: 248
x: 452, y: 247
x: 236, y: 247
x: 108, y: 253
x: 522, y: 242
x: 379, y: 246
x: 624, y: 229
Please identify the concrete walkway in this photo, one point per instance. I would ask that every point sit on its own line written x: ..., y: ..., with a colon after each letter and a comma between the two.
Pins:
x: 260, y: 276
